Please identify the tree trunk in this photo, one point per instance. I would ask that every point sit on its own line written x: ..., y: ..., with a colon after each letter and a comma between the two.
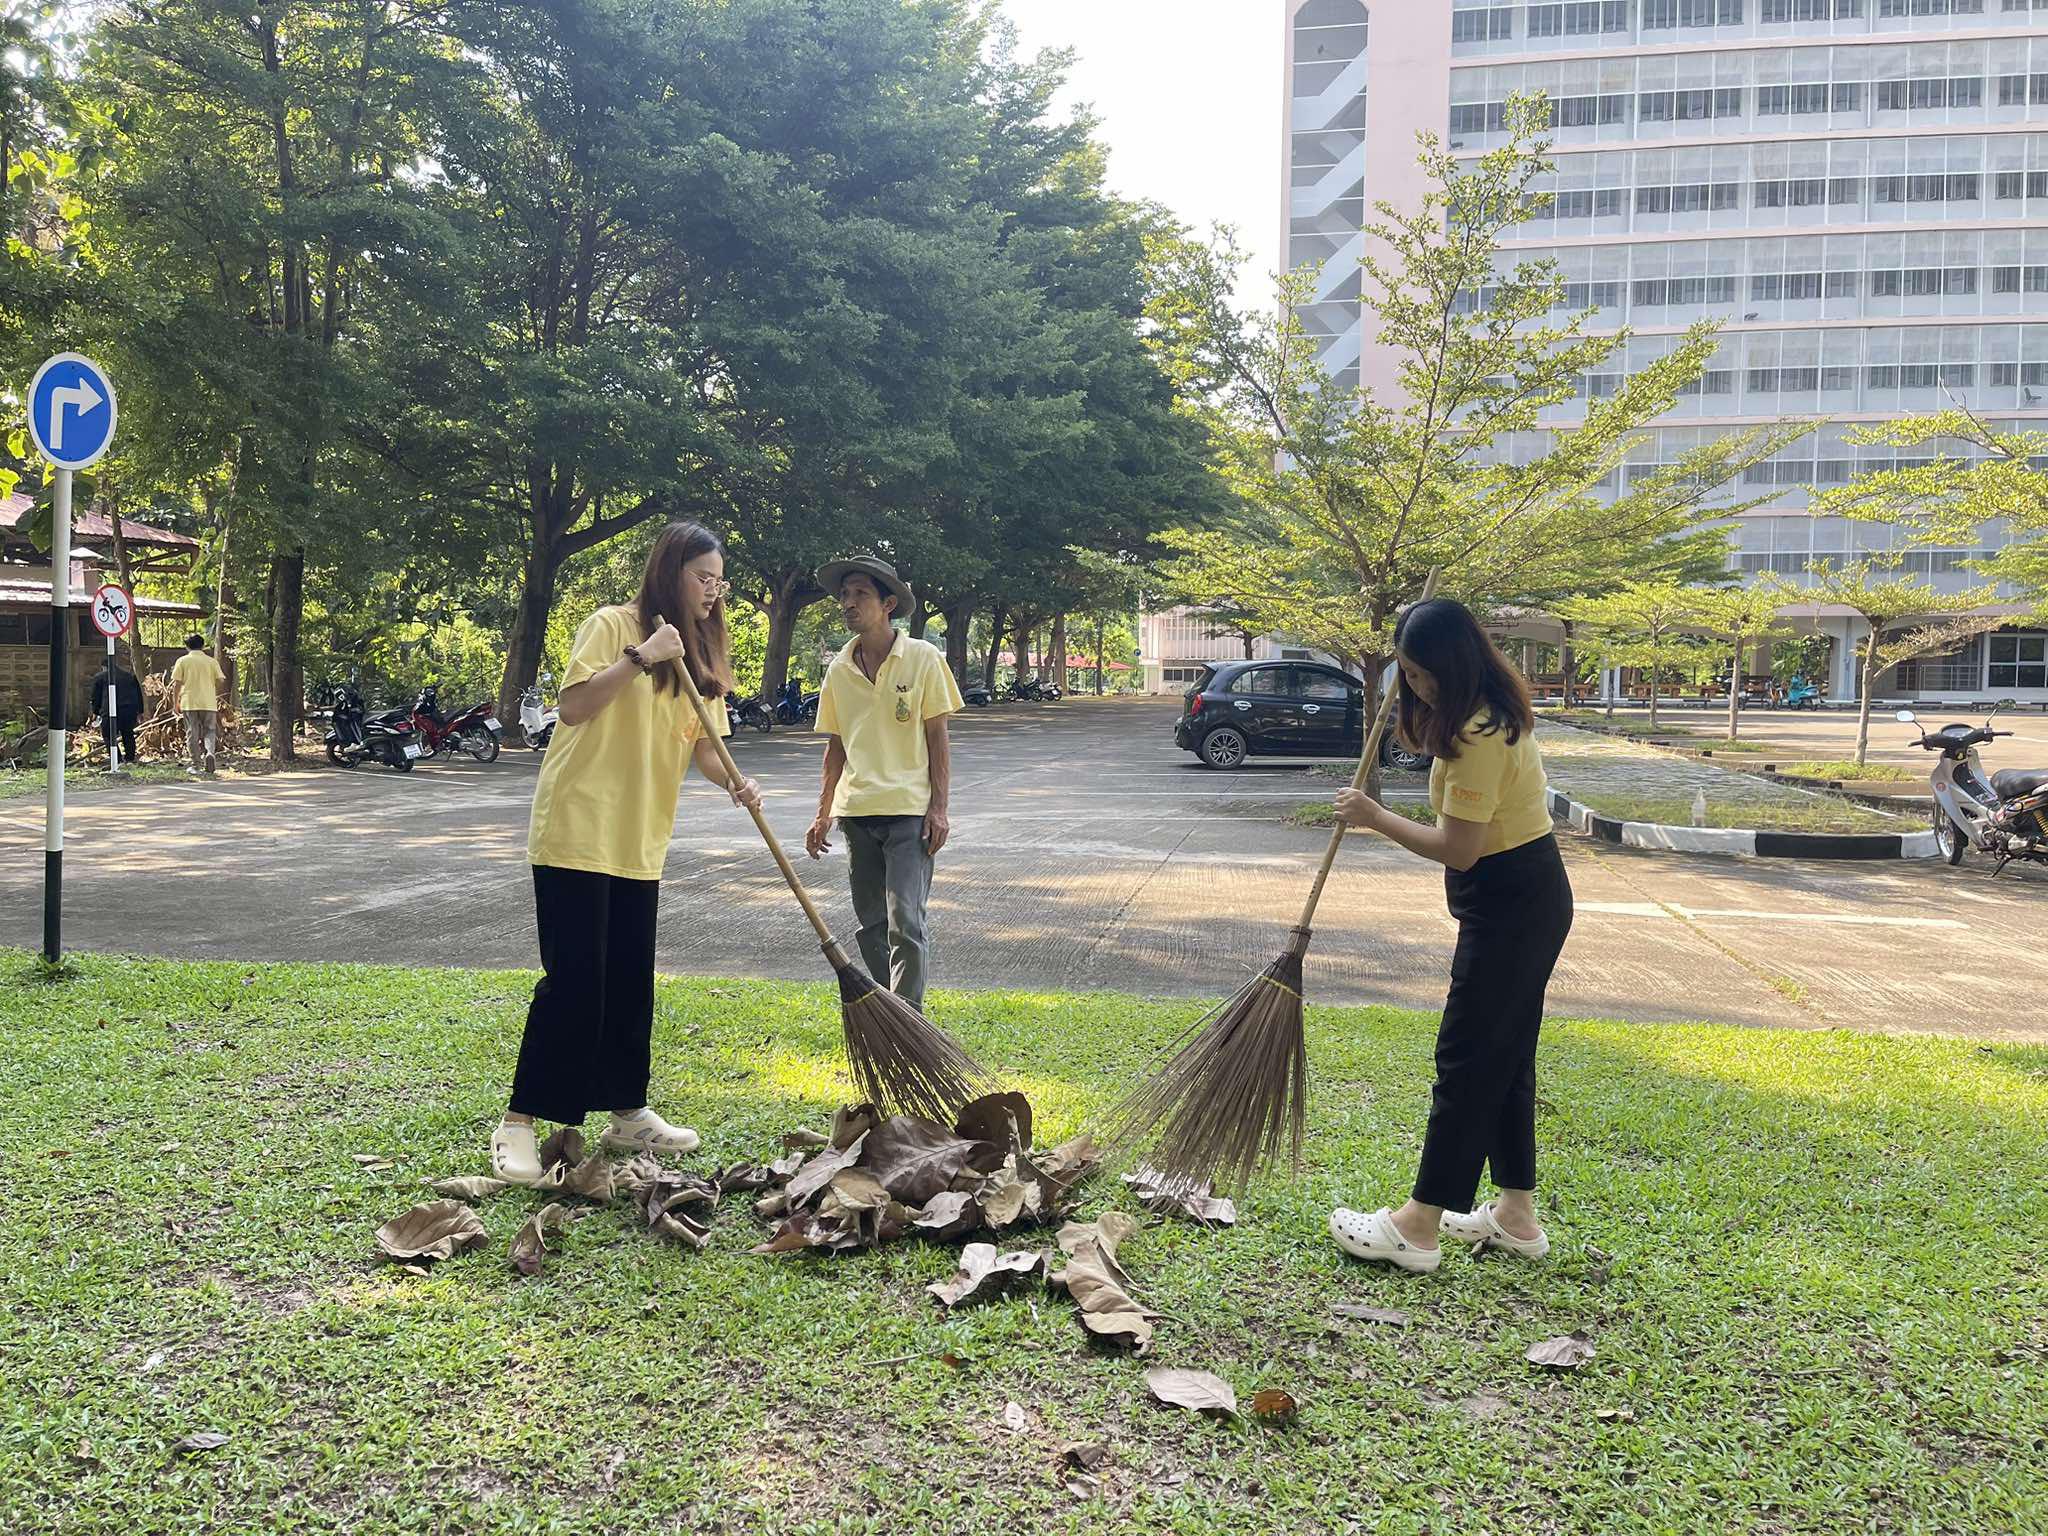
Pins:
x: 1022, y: 645
x: 995, y: 646
x: 920, y: 617
x: 783, y: 611
x: 1251, y: 644
x: 1098, y: 658
x: 1869, y: 685
x: 289, y: 571
x: 269, y: 620
x: 1735, y: 691
x: 528, y: 640
x: 1655, y: 657
x: 1057, y: 662
x: 1567, y: 662
x: 959, y: 620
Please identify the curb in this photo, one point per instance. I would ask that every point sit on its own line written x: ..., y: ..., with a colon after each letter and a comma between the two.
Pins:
x: 1738, y: 841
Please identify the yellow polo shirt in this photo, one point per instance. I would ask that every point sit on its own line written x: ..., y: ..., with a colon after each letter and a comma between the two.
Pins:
x: 606, y: 801
x: 888, y: 766
x: 198, y: 679
x: 1493, y: 782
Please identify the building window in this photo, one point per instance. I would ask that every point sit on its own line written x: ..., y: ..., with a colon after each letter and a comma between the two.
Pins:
x: 1930, y: 7
x: 1581, y: 18
x: 1688, y: 106
x: 2019, y: 661
x: 2022, y: 90
x: 1663, y: 15
x: 1812, y: 10
x: 2011, y: 186
x: 1483, y: 26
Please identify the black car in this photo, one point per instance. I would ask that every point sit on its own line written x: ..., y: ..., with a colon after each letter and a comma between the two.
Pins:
x: 1242, y: 709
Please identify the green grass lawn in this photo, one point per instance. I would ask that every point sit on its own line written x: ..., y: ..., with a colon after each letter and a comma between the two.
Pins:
x: 1820, y: 813
x: 1323, y: 813
x: 1849, y: 771
x: 1811, y: 1264
x: 33, y: 783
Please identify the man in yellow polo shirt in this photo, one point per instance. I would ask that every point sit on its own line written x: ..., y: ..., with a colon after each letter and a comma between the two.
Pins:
x: 196, y: 682
x: 883, y: 710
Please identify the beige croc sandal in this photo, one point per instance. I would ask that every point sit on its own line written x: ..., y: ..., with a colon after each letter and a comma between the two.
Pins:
x: 1374, y: 1236
x: 1483, y: 1227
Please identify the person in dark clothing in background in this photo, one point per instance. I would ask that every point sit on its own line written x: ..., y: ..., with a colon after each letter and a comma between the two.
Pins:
x: 117, y: 697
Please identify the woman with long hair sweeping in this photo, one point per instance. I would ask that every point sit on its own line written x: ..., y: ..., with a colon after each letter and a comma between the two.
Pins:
x: 603, y: 813
x: 1505, y: 882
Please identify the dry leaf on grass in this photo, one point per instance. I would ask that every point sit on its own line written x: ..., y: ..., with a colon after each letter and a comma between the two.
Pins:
x: 1392, y: 1315
x: 1191, y: 1389
x: 743, y: 1178
x: 205, y: 1440
x: 1611, y: 1415
x: 984, y: 1273
x: 915, y: 1158
x: 591, y: 1178
x: 1567, y: 1352
x: 773, y: 1206
x: 946, y: 1213
x: 437, y: 1229
x: 1001, y: 1118
x: 1272, y: 1406
x: 1015, y: 1419
x: 1084, y: 1456
x: 804, y: 1140
x: 684, y: 1229
x: 366, y: 1159
x: 850, y: 1122
x: 564, y: 1146
x: 531, y: 1241
x: 1165, y: 1195
x: 476, y: 1188
x: 818, y: 1172
x: 1095, y: 1279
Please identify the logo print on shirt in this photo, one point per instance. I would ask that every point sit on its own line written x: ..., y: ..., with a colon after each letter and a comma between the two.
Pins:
x: 902, y: 703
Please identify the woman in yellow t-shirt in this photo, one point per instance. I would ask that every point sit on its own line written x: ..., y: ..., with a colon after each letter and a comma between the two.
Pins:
x: 603, y: 813
x: 1505, y: 882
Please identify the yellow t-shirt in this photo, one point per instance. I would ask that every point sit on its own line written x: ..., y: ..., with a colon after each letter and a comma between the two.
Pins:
x: 1493, y: 782
x: 888, y: 765
x: 198, y: 679
x: 606, y: 800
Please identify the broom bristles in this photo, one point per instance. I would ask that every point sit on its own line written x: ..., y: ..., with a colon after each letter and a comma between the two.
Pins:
x: 901, y: 1060
x: 1232, y: 1102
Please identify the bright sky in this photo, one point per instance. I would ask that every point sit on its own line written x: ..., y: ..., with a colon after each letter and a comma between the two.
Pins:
x: 1188, y: 93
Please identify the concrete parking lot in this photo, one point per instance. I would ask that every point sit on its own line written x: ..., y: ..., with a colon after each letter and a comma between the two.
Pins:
x: 1830, y: 735
x: 1087, y: 853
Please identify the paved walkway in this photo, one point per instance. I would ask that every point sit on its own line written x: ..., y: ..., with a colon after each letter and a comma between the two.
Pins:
x: 1088, y: 854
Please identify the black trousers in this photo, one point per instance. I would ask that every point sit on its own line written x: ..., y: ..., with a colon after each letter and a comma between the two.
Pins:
x: 126, y: 729
x: 1513, y: 910
x: 592, y: 1017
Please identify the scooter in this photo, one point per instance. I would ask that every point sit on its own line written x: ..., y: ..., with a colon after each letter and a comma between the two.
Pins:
x: 1031, y: 690
x: 749, y: 712
x: 2005, y: 815
x: 475, y: 731
x: 1802, y: 694
x: 978, y: 695
x: 795, y: 707
x: 537, y: 720
x: 353, y: 738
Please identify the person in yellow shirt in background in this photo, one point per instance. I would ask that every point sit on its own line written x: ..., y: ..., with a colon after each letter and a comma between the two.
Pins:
x: 888, y: 769
x: 196, y: 682
x: 603, y: 814
x: 1505, y: 883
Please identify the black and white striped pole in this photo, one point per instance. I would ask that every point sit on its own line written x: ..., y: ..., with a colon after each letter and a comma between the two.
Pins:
x: 71, y: 418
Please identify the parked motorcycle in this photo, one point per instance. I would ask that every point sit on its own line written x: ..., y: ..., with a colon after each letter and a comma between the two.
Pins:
x: 537, y: 719
x: 2005, y: 815
x: 795, y: 707
x: 749, y: 712
x: 1802, y: 694
x: 475, y: 731
x: 354, y: 737
x: 1031, y: 690
x: 978, y: 695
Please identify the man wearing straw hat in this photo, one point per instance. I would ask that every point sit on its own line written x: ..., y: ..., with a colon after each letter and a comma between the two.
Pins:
x: 883, y: 709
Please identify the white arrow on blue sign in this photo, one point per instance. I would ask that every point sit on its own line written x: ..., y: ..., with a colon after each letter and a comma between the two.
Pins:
x: 71, y: 411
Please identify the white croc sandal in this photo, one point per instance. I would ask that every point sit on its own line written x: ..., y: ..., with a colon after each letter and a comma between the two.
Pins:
x: 648, y: 1132
x: 1483, y: 1227
x: 1373, y: 1235
x: 515, y: 1155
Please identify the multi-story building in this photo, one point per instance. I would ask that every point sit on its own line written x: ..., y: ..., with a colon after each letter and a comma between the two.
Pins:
x: 1856, y: 190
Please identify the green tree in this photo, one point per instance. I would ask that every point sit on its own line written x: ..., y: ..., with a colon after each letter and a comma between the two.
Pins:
x: 1346, y: 499
x: 1642, y: 624
x: 1904, y: 618
x: 1741, y: 618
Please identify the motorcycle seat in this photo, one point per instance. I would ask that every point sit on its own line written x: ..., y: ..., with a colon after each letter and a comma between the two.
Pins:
x: 2011, y: 783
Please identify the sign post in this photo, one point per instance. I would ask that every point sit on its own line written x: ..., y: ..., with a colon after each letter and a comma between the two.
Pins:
x: 71, y: 418
x: 112, y: 612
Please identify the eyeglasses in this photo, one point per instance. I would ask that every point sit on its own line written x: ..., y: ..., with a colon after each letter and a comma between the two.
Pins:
x: 715, y: 586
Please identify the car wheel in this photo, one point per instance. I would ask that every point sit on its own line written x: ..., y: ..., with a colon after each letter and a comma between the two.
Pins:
x: 1394, y: 755
x: 1224, y: 747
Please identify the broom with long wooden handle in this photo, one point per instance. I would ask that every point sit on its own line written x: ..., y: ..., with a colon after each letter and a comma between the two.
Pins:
x: 1234, y: 1095
x: 900, y: 1058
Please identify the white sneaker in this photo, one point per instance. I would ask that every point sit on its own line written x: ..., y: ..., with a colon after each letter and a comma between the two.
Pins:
x: 645, y: 1131
x: 1375, y: 1236
x: 1482, y: 1226
x: 515, y: 1154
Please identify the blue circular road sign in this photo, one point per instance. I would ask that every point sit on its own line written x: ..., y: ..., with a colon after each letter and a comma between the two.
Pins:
x: 71, y: 411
